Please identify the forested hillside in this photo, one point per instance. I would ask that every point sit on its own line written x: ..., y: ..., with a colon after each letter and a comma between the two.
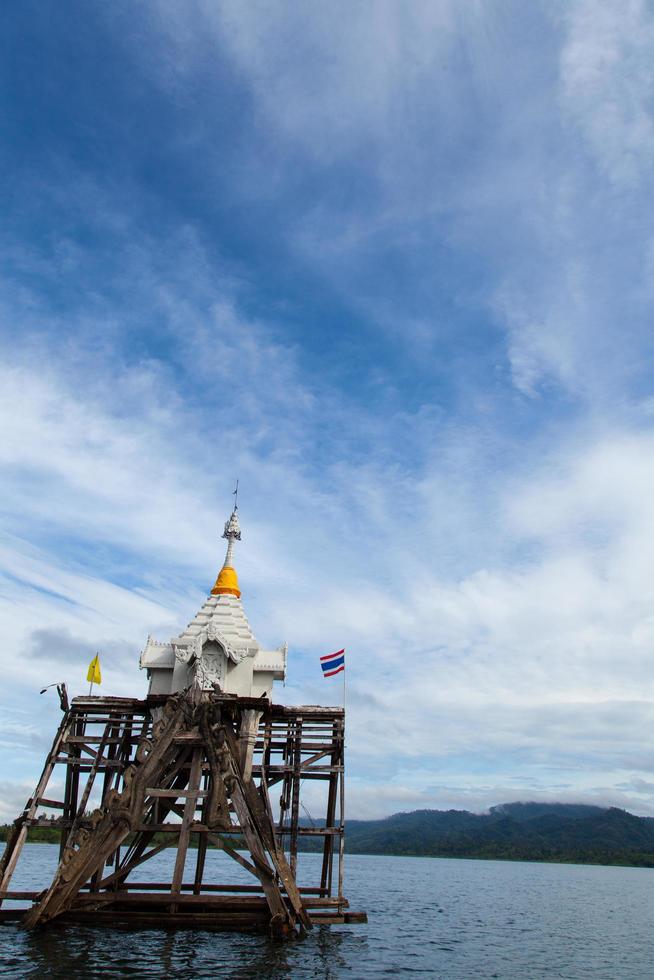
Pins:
x: 573, y: 833
x: 516, y: 831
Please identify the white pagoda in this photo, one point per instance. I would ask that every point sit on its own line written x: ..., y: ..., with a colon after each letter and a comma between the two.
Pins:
x: 218, y: 649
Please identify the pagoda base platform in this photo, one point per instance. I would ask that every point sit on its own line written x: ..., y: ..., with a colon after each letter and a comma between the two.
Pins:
x: 188, y: 773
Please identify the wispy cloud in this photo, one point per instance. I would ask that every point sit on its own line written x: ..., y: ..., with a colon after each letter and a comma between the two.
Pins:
x: 395, y: 276
x: 607, y: 77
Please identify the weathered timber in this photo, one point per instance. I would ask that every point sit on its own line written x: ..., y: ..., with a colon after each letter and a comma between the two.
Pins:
x: 266, y: 829
x: 18, y: 835
x: 87, y: 850
x: 189, y: 812
x: 283, y: 919
x: 197, y: 767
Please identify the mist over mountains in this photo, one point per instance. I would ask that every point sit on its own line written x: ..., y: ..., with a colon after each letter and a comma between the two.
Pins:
x: 561, y: 832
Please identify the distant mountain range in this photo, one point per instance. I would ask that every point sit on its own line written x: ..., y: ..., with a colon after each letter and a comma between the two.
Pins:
x: 560, y: 832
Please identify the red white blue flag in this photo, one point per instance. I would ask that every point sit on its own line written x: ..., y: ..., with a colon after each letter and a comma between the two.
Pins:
x: 333, y: 663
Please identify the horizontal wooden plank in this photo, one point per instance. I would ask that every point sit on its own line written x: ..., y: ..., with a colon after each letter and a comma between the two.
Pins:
x: 234, y: 901
x: 58, y: 824
x: 306, y: 746
x: 167, y: 898
x: 61, y: 759
x: 334, y: 919
x: 163, y: 828
x: 96, y: 703
x: 175, y: 793
x: 132, y: 739
x: 14, y: 896
x: 188, y: 886
x: 273, y: 770
x: 85, y: 765
x: 319, y: 903
x: 235, y: 829
x: 306, y: 711
x: 316, y: 831
x: 101, y: 702
x: 216, y: 921
x: 117, y: 720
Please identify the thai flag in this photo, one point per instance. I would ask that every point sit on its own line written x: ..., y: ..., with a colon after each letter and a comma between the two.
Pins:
x: 333, y: 663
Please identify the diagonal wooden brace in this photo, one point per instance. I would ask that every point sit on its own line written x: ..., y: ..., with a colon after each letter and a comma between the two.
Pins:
x: 87, y: 851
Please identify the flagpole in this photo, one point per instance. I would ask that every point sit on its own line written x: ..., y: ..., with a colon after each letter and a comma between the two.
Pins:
x: 93, y: 667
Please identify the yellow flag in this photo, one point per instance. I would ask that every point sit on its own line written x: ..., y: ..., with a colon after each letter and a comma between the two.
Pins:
x: 94, y: 676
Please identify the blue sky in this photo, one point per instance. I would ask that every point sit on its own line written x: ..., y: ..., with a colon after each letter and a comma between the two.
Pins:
x: 392, y: 266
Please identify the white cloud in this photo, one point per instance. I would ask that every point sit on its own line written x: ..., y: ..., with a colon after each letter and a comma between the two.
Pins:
x: 507, y: 135
x: 493, y: 589
x: 366, y: 802
x: 540, y: 665
x: 607, y: 73
x: 331, y: 77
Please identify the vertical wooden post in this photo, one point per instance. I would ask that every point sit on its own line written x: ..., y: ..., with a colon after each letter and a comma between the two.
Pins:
x: 247, y: 737
x: 202, y: 838
x: 260, y: 837
x: 287, y: 781
x: 295, y: 799
x: 99, y: 758
x: 19, y: 833
x: 341, y: 842
x: 330, y: 815
x: 72, y: 782
x: 267, y: 738
x: 111, y: 775
x: 187, y: 819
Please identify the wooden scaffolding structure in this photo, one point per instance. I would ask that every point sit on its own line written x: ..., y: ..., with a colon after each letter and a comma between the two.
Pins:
x: 190, y: 771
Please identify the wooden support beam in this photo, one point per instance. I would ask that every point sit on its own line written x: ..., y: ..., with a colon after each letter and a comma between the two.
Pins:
x: 91, y: 779
x: 341, y: 778
x: 113, y: 767
x: 238, y: 920
x: 187, y: 819
x: 205, y: 778
x: 160, y: 886
x: 174, y: 794
x: 244, y: 793
x: 213, y: 769
x: 295, y: 793
x: 199, y: 864
x: 328, y: 848
x: 174, y: 776
x: 114, y: 823
x: 282, y: 919
x: 18, y: 834
x: 71, y: 788
x: 13, y: 896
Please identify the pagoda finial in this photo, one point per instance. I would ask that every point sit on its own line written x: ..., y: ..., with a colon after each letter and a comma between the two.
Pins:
x: 227, y: 581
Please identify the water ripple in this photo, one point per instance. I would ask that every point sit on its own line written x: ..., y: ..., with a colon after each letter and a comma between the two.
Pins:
x: 428, y: 918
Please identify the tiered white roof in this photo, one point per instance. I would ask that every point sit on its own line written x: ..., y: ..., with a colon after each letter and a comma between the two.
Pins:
x: 218, y: 647
x: 223, y: 614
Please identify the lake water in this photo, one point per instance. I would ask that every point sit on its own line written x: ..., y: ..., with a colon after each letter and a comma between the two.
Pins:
x: 428, y: 918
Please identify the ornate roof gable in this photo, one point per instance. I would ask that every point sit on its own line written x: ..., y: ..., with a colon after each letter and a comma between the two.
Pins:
x: 218, y: 636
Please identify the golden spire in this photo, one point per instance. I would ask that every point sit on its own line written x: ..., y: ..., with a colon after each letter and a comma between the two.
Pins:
x: 227, y: 581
